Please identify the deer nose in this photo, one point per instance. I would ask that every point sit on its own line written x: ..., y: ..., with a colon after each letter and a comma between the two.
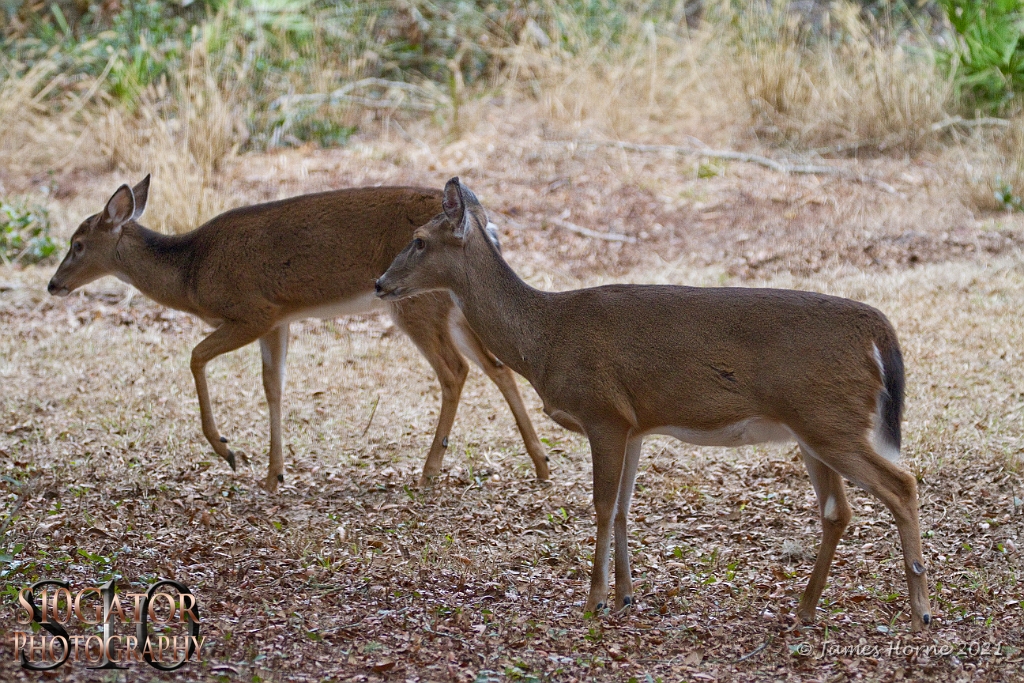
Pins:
x: 51, y: 288
x: 377, y: 289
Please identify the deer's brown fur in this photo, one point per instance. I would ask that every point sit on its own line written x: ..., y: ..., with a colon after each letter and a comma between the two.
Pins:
x: 250, y: 271
x: 715, y: 366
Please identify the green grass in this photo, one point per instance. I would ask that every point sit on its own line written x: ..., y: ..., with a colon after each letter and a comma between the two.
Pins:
x: 25, y: 233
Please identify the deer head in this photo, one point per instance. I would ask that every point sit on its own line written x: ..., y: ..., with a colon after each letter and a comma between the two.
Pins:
x: 93, y: 246
x: 433, y: 260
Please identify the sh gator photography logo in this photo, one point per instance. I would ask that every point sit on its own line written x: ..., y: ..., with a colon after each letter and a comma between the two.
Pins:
x: 49, y: 608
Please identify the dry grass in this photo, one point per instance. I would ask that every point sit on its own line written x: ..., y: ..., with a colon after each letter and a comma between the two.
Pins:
x: 184, y: 134
x: 657, y: 83
x: 853, y: 87
x: 991, y: 167
x: 33, y: 135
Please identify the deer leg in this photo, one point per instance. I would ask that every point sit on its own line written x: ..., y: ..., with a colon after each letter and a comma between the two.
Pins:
x: 835, y: 517
x: 428, y: 330
x: 274, y: 350
x: 226, y: 338
x: 469, y: 343
x: 607, y: 451
x: 623, y: 576
x: 897, y: 489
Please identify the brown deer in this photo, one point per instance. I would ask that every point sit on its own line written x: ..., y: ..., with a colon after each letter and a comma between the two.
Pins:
x: 715, y: 366
x: 249, y: 272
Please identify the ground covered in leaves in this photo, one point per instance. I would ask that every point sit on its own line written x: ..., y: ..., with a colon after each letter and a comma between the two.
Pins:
x: 352, y: 573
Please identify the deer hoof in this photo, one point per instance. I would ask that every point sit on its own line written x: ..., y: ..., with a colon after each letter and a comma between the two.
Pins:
x: 280, y: 478
x: 627, y: 601
x: 231, y: 460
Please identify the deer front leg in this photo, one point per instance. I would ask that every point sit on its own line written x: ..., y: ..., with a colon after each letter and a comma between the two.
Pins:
x: 274, y: 350
x: 424, y: 319
x: 469, y: 343
x: 228, y: 337
x: 623, y: 575
x: 607, y: 450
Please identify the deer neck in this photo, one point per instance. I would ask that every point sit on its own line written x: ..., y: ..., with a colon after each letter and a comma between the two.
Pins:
x: 154, y: 263
x: 505, y: 312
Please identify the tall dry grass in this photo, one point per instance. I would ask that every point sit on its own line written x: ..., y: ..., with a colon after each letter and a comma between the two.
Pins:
x: 990, y: 163
x: 36, y: 132
x: 846, y: 83
x: 183, y: 132
x: 854, y: 85
x: 858, y: 86
x: 657, y: 82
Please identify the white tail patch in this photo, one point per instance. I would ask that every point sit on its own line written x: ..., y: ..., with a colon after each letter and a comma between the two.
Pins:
x: 878, y: 361
x: 876, y: 434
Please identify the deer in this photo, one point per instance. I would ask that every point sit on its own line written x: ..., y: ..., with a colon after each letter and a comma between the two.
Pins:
x: 251, y: 271
x: 725, y: 366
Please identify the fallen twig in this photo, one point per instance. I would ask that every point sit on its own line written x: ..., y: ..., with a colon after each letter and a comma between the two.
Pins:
x: 460, y: 639
x: 757, y: 650
x: 342, y: 95
x: 884, y: 143
x: 373, y: 411
x: 398, y: 95
x: 586, y: 232
x: 781, y: 166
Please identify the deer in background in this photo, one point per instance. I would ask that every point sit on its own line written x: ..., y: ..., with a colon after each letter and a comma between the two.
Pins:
x: 709, y: 366
x: 251, y: 271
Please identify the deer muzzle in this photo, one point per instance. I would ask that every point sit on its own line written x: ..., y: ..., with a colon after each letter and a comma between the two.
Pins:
x: 56, y: 289
x: 382, y: 291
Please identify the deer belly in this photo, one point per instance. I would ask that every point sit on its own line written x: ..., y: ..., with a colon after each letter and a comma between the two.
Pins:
x: 361, y: 303
x: 746, y: 432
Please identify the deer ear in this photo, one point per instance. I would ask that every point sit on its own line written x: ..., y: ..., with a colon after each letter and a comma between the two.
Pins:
x: 141, y: 194
x: 455, y: 207
x: 119, y: 209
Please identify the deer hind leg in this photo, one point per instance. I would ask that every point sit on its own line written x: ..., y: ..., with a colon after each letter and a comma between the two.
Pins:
x: 228, y: 337
x: 425, y: 320
x: 469, y: 343
x: 897, y: 489
x: 623, y: 575
x: 607, y: 450
x: 274, y: 350
x: 835, y: 517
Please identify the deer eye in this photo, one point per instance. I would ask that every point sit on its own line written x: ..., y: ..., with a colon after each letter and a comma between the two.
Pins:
x: 418, y: 244
x: 78, y: 247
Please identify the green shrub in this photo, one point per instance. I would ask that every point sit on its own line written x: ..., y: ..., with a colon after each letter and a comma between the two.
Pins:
x: 25, y: 233
x: 1005, y: 196
x: 988, y: 59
